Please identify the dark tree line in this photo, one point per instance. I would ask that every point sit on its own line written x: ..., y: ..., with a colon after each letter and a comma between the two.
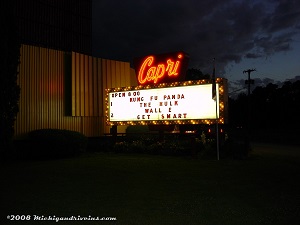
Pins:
x: 271, y: 107
x: 9, y: 89
x: 269, y: 113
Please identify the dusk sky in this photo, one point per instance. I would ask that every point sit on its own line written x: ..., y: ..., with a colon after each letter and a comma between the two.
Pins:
x: 239, y: 34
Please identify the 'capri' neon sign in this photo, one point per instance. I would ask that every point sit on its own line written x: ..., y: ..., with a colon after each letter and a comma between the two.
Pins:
x: 161, y: 68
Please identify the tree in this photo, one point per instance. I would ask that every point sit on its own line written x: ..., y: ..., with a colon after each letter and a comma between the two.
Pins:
x: 195, y: 74
x: 9, y: 63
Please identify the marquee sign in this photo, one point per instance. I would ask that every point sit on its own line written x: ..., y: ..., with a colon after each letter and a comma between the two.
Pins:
x: 162, y: 68
x: 187, y: 102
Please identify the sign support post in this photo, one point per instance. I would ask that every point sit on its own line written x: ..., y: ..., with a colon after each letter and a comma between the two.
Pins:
x: 214, y: 96
x: 217, y: 131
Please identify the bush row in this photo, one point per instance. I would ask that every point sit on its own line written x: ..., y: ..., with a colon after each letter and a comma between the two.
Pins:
x: 181, y: 146
x: 53, y: 143
x: 57, y: 143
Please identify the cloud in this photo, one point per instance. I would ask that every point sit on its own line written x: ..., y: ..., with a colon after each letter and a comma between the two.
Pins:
x: 286, y: 15
x: 228, y: 30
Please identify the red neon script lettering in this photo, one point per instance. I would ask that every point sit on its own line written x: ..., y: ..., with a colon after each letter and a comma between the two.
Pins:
x: 149, y: 72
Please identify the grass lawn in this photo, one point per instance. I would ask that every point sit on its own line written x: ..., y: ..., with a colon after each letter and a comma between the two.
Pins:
x: 157, y: 190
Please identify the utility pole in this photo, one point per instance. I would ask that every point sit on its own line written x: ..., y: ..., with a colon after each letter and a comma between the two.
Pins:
x: 249, y: 82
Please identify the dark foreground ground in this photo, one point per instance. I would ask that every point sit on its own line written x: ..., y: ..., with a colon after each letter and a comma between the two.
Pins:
x: 160, y: 190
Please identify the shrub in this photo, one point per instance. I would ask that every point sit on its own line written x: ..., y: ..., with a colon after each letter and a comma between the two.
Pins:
x: 152, y: 146
x: 208, y: 149
x: 56, y: 143
x: 176, y: 145
x: 155, y: 148
x: 137, y: 146
x: 121, y: 147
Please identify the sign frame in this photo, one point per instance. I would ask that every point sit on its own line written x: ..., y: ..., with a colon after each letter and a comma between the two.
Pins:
x: 222, y: 107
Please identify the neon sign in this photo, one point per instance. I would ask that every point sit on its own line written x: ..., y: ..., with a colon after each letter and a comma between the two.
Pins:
x: 161, y: 68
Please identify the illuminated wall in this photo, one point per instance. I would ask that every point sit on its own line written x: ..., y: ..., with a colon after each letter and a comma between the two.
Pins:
x: 66, y: 90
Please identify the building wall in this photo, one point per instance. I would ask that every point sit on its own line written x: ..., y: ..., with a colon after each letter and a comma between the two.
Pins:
x: 66, y: 90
